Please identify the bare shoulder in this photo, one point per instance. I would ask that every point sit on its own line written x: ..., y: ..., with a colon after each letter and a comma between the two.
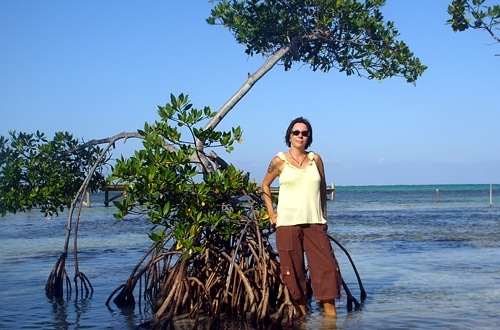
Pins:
x: 317, y: 157
x: 319, y: 164
x: 276, y: 165
x: 318, y: 160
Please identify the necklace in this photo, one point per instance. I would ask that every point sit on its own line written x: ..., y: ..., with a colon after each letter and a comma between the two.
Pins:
x: 300, y: 163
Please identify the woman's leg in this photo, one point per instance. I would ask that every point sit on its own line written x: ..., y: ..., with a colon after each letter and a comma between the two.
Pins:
x: 323, y: 267
x: 292, y: 265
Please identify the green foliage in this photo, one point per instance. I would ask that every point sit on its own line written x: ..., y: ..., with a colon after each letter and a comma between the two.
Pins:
x: 38, y: 173
x: 348, y: 35
x: 174, y: 188
x: 474, y: 14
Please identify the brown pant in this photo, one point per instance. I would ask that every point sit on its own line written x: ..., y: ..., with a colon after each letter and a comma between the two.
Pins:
x: 292, y: 242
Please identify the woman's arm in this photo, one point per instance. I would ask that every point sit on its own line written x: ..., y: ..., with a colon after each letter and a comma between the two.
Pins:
x: 322, y: 185
x: 273, y: 170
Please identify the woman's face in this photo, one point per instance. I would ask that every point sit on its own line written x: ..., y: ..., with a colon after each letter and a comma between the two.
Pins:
x: 299, y: 140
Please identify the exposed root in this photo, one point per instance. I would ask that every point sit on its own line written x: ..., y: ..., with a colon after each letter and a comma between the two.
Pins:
x: 54, y: 287
x: 350, y: 298
x: 237, y: 278
x: 85, y: 285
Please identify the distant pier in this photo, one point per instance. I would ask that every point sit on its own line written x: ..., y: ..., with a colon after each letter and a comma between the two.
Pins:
x: 115, y: 187
x: 120, y: 188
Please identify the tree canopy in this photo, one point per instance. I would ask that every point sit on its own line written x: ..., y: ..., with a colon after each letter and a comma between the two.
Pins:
x: 38, y: 173
x: 475, y: 14
x: 350, y: 36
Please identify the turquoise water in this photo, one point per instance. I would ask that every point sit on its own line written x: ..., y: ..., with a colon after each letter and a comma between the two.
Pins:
x: 425, y: 264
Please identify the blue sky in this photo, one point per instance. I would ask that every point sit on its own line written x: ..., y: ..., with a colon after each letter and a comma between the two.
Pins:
x: 97, y: 68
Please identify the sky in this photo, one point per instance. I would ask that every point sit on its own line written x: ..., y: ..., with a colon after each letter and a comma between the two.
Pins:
x: 97, y: 68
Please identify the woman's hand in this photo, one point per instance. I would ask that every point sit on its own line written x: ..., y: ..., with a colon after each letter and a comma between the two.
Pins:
x: 273, y: 218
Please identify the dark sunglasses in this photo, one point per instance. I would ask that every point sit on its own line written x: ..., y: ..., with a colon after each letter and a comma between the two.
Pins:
x: 304, y: 133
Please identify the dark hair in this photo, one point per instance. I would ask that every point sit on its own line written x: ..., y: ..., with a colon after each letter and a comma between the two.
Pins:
x: 289, y: 131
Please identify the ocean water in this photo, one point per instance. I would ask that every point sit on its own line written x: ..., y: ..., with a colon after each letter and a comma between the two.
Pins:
x: 425, y: 262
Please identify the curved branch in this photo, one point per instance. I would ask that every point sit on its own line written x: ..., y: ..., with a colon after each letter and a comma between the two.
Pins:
x: 360, y: 283
x: 52, y: 283
x: 109, y: 140
x: 245, y: 88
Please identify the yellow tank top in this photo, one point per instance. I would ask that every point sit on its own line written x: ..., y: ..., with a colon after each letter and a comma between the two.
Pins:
x: 299, y: 200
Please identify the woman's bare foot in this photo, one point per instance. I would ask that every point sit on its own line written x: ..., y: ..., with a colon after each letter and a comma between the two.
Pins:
x: 303, y: 311
x: 302, y: 307
x: 329, y: 306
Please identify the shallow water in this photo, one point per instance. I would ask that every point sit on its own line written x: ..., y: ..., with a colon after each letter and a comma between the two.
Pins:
x: 424, y: 264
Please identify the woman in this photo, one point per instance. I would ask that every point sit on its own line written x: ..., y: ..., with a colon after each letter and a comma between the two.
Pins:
x: 300, y: 220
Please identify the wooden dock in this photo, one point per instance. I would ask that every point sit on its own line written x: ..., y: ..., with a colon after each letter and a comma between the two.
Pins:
x: 120, y: 188
x: 116, y: 187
